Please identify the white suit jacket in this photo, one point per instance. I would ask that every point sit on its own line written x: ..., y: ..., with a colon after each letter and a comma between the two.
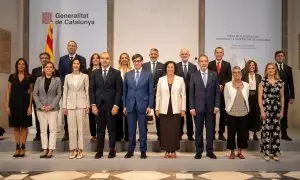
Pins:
x: 178, y: 95
x: 76, y: 95
x: 230, y: 93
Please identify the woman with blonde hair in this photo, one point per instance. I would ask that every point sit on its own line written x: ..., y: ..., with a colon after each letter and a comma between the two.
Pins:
x: 271, y: 103
x: 122, y: 125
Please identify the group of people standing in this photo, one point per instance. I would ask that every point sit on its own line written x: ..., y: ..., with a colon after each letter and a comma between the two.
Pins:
x: 122, y: 98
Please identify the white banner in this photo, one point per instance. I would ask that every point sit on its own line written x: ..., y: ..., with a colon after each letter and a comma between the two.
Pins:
x: 245, y: 29
x: 82, y: 21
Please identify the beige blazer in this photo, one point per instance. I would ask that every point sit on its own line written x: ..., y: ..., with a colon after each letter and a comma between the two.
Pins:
x: 178, y: 95
x: 76, y: 95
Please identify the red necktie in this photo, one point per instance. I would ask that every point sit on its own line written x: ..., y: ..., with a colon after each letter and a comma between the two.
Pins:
x: 218, y: 67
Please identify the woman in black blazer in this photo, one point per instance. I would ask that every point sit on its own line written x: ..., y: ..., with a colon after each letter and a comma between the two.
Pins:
x: 253, y: 78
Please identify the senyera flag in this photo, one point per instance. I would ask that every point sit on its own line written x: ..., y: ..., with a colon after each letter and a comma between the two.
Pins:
x: 49, y: 42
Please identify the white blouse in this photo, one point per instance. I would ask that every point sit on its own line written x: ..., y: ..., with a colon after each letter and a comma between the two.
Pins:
x: 252, y: 82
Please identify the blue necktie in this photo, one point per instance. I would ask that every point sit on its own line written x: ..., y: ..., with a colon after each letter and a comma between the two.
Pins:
x: 137, y: 77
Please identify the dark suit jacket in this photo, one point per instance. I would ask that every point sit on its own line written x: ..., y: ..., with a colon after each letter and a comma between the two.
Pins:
x: 287, y: 77
x: 191, y: 69
x: 199, y: 95
x: 159, y: 71
x: 142, y: 95
x: 65, y: 67
x: 225, y: 72
x: 37, y: 72
x: 258, y: 78
x: 106, y: 94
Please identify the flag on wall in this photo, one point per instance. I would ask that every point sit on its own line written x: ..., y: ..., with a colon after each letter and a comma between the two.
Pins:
x: 49, y: 42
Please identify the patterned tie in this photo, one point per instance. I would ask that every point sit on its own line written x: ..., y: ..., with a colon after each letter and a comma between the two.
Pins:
x: 185, y: 71
x: 153, y: 67
x: 137, y: 77
x: 204, y: 79
x: 218, y: 67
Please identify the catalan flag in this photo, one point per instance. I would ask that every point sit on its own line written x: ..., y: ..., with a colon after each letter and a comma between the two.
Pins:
x: 49, y: 42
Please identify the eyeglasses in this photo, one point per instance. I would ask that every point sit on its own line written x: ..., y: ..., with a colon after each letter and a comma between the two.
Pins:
x: 137, y: 61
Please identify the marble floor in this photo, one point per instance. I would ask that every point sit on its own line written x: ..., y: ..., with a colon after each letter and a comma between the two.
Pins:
x: 149, y: 175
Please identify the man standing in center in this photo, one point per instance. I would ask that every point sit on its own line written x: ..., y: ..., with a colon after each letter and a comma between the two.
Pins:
x: 138, y: 100
x: 157, y: 70
x: 204, y: 103
x: 223, y: 70
x: 105, y: 93
x: 185, y: 69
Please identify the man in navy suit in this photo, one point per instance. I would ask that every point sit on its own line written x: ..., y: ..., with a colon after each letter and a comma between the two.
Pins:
x: 185, y: 69
x: 223, y: 70
x: 204, y: 103
x: 65, y: 67
x: 157, y: 70
x: 138, y: 100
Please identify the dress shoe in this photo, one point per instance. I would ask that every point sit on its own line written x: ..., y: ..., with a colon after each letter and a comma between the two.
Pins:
x: 79, y: 154
x: 37, y: 138
x: 231, y: 156
x: 191, y: 138
x: 222, y: 138
x: 211, y: 155
x: 112, y: 154
x: 73, y: 154
x: 143, y: 155
x: 45, y: 152
x: 49, y: 154
x: 240, y: 155
x: 99, y: 155
x: 276, y: 158
x: 198, y: 156
x: 286, y: 137
x: 65, y: 138
x: 128, y: 155
x: 255, y: 138
x: 18, y: 150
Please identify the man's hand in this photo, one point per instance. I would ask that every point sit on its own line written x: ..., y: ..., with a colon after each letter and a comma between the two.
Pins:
x: 193, y: 112
x: 182, y: 113
x: 95, y: 110
x: 157, y: 113
x: 125, y: 111
x: 114, y: 110
x: 216, y: 110
x: 148, y: 110
x: 221, y: 87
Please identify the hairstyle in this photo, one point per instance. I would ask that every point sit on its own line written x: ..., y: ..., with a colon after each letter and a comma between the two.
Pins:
x: 120, y: 63
x: 73, y: 42
x: 154, y: 49
x: 236, y: 68
x: 202, y: 55
x: 26, y: 71
x: 53, y: 73
x: 44, y: 53
x: 248, y: 65
x: 276, y: 76
x: 137, y: 56
x: 279, y: 52
x: 171, y: 62
x: 76, y: 59
x: 219, y: 47
x: 91, y: 61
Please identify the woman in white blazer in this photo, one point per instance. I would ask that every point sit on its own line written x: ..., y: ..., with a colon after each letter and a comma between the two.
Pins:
x: 236, y: 93
x: 47, y: 94
x: 76, y: 106
x: 170, y: 107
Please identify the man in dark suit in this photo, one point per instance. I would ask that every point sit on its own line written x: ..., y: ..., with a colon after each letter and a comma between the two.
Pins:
x: 223, y: 70
x: 157, y: 70
x: 65, y: 67
x: 185, y: 69
x: 105, y: 95
x: 204, y: 103
x: 35, y: 73
x: 286, y: 75
x: 138, y: 100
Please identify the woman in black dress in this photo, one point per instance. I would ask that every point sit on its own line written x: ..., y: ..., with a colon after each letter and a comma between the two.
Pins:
x: 94, y: 65
x: 253, y: 79
x: 18, y: 104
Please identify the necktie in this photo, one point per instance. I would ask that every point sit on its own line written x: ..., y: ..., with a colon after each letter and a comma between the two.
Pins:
x: 184, y: 71
x: 218, y: 67
x: 281, y: 67
x: 153, y: 67
x: 104, y: 75
x: 71, y: 58
x: 204, y: 79
x: 137, y: 77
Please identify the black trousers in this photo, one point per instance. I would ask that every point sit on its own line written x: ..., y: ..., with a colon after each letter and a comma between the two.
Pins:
x: 106, y: 119
x: 237, y: 125
x: 284, y: 120
x: 92, y: 123
x: 37, y: 122
x: 66, y: 125
x: 121, y: 125
x: 189, y: 121
x: 222, y: 117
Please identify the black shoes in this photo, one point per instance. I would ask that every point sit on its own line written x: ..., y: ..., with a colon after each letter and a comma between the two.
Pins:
x: 112, y: 154
x: 198, y: 156
x: 99, y: 155
x: 211, y: 155
x: 222, y: 137
x: 286, y: 137
x: 65, y: 138
x: 191, y: 138
x: 143, y: 155
x: 18, y: 150
x: 255, y: 138
x: 128, y: 155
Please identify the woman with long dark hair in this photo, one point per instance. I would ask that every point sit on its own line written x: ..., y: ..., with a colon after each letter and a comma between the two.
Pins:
x: 18, y: 104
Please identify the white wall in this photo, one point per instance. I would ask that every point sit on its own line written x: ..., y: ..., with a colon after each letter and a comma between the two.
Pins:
x: 10, y: 20
x: 167, y: 25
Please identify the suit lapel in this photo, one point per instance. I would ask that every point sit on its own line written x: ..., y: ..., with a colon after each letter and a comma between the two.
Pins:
x: 209, y: 77
x: 109, y: 73
x: 201, y: 79
x: 51, y: 84
x: 142, y: 74
x: 42, y: 85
